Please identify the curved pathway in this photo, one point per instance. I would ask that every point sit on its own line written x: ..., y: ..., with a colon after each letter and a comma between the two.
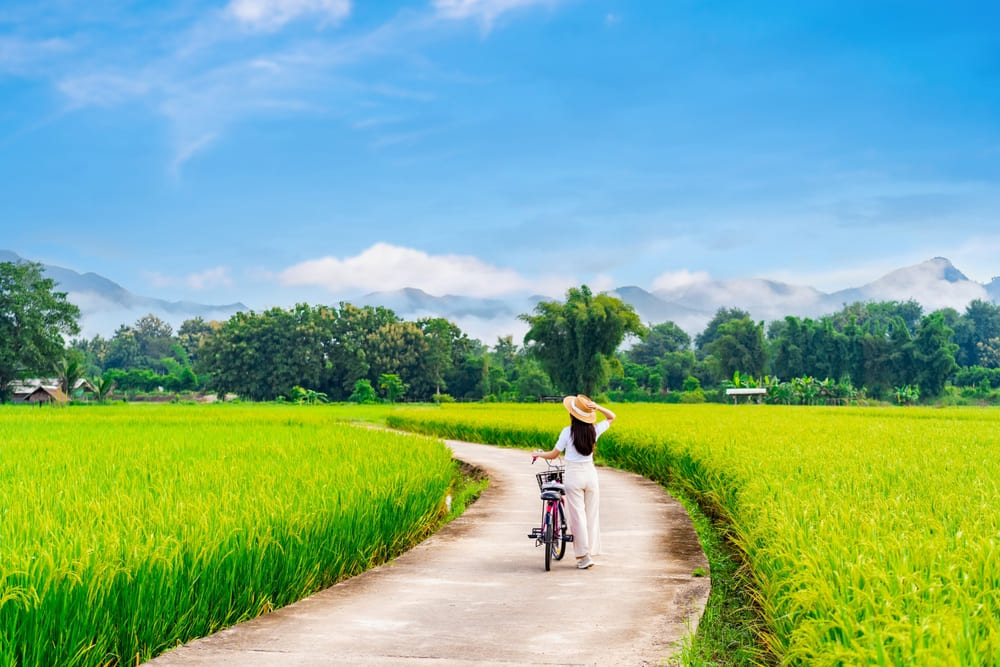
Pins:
x: 477, y: 592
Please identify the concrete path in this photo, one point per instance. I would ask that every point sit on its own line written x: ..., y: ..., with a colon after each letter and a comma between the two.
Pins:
x: 476, y: 593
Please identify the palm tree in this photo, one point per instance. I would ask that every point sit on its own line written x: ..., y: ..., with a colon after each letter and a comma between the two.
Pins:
x: 102, y: 387
x: 69, y: 373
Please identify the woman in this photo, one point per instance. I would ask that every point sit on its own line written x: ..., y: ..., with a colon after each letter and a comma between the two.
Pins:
x: 582, y: 492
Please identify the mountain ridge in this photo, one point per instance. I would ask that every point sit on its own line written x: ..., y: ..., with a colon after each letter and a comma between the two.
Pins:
x: 934, y: 283
x: 103, y: 302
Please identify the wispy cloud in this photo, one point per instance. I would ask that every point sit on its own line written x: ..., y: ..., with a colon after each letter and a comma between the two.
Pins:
x: 270, y: 15
x: 219, y: 276
x: 104, y: 89
x: 384, y: 267
x: 18, y: 54
x: 486, y: 12
x: 210, y: 70
x: 188, y: 150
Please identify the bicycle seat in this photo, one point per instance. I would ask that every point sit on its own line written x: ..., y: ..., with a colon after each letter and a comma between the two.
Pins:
x: 551, y: 494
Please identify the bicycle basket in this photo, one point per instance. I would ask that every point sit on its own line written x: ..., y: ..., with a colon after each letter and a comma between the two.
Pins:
x: 554, y: 474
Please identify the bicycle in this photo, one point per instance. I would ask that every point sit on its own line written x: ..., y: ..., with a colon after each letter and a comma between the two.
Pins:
x: 552, y: 533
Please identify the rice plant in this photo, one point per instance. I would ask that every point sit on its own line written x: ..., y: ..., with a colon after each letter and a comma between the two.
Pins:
x: 126, y: 530
x: 871, y: 535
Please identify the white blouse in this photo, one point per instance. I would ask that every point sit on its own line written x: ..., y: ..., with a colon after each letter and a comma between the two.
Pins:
x: 565, y: 443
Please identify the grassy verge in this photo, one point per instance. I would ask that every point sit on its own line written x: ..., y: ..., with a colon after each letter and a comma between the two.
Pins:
x: 468, y: 484
x: 727, y: 632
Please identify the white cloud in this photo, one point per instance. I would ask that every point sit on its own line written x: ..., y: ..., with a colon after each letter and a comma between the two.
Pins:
x: 384, y: 267
x: 270, y: 15
x: 673, y: 280
x: 925, y: 283
x: 484, y: 11
x: 219, y: 276
x: 602, y: 282
x: 612, y: 19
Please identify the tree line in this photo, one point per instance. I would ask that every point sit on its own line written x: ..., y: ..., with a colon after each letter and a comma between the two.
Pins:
x: 877, y: 347
x: 347, y: 352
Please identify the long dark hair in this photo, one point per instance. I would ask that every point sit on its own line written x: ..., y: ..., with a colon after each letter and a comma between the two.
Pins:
x: 584, y: 436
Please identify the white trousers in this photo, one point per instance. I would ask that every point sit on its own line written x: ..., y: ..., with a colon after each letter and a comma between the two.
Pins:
x: 583, y: 507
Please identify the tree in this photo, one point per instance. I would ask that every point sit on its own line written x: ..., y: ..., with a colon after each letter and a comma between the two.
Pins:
x: 401, y: 349
x: 980, y: 323
x: 154, y: 337
x: 902, y: 354
x: 505, y: 353
x: 874, y: 314
x: 392, y: 386
x: 442, y: 337
x: 662, y: 339
x: 192, y: 333
x: 808, y: 348
x: 33, y: 320
x: 739, y: 346
x: 348, y: 350
x: 69, y: 371
x: 711, y: 330
x: 363, y: 392
x: 303, y: 396
x: 576, y: 341
x: 674, y: 368
x: 262, y: 356
x: 103, y: 386
x: 531, y: 380
x: 935, y: 354
x: 95, y: 353
x: 123, y: 350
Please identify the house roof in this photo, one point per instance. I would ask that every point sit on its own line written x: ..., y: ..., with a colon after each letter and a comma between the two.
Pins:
x: 53, y: 394
x: 28, y: 386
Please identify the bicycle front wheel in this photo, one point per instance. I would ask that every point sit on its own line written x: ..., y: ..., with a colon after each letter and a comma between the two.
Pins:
x: 558, y: 545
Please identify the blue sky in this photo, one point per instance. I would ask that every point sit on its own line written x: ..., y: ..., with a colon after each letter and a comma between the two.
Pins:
x: 274, y: 151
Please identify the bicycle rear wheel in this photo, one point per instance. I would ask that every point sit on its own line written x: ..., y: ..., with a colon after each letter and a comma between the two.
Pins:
x: 558, y: 545
x: 547, y: 539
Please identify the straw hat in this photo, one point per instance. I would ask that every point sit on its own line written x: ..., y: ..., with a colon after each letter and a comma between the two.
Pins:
x: 578, y: 406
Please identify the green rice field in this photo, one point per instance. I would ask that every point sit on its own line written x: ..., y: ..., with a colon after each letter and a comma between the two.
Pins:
x: 870, y: 535
x: 126, y: 529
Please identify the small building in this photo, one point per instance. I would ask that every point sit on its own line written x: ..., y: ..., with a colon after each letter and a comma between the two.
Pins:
x: 749, y: 392
x: 83, y: 387
x: 20, y: 390
x: 43, y: 395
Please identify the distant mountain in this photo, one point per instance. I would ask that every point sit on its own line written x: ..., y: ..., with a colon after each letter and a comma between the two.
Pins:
x: 105, y: 305
x: 934, y: 284
x: 484, y: 319
x: 993, y: 289
x: 653, y: 310
x: 413, y: 301
x: 764, y: 299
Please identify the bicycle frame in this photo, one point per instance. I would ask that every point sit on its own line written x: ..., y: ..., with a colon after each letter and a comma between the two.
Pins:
x: 553, y: 533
